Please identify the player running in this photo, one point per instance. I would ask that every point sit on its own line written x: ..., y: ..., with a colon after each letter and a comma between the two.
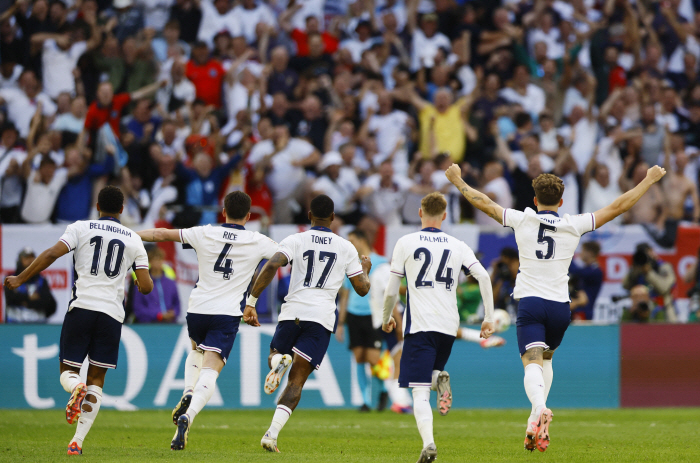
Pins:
x: 320, y: 260
x: 105, y: 252
x: 430, y: 259
x: 228, y: 256
x: 546, y: 244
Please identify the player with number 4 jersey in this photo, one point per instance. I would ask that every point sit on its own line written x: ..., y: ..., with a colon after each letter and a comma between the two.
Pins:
x: 546, y: 245
x: 104, y: 252
x: 228, y: 256
x: 431, y: 261
x: 320, y: 261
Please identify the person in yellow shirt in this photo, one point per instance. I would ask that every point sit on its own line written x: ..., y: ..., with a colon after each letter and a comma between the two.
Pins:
x: 444, y: 126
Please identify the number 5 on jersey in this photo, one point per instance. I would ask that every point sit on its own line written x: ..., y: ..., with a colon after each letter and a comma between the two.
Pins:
x: 548, y: 240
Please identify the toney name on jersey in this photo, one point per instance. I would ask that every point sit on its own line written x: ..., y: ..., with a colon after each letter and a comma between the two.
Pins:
x: 228, y: 256
x: 104, y: 251
x: 546, y: 245
x: 431, y: 261
x: 320, y: 260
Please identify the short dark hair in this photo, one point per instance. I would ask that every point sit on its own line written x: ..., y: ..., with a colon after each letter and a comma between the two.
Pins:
x: 522, y: 119
x: 322, y: 207
x: 510, y: 253
x: 110, y: 200
x: 237, y: 205
x: 359, y: 234
x: 47, y: 161
x: 592, y: 246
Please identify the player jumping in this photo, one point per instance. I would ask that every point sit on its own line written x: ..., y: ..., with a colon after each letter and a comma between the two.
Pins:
x: 105, y: 251
x: 320, y: 260
x: 228, y: 256
x: 431, y: 259
x: 546, y: 244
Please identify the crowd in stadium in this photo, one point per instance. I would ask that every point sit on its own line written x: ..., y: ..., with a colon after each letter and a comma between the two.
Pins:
x: 180, y: 101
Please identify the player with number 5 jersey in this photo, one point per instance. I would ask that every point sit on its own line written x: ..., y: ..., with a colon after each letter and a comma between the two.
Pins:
x: 320, y: 261
x: 431, y: 261
x: 228, y: 256
x: 104, y: 252
x: 546, y: 245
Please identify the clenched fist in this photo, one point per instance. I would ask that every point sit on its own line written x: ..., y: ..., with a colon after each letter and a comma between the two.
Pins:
x: 655, y: 173
x: 454, y: 174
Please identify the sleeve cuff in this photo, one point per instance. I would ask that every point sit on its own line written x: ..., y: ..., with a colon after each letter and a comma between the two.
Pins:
x: 397, y: 273
x: 289, y: 259
x: 66, y: 243
x: 355, y: 274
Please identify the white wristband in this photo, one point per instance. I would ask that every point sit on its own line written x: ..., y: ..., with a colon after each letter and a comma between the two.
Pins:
x: 251, y: 301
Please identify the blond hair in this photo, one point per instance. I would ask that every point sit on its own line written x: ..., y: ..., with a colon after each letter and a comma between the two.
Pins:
x: 434, y: 204
x: 548, y: 189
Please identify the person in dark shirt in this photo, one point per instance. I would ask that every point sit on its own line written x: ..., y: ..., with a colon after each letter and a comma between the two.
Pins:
x: 189, y: 15
x: 282, y: 79
x: 32, y: 302
x: 590, y: 278
x: 314, y: 124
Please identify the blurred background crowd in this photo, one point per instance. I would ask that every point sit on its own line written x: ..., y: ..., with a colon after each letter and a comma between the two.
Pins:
x: 179, y: 102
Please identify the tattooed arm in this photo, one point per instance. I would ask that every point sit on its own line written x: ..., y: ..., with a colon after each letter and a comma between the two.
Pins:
x: 476, y: 198
x: 250, y: 315
x: 361, y: 281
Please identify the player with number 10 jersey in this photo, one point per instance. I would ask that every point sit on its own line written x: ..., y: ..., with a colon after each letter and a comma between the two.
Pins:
x: 228, y: 256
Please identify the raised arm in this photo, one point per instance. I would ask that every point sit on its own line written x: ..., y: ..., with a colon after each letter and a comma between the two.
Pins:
x: 476, y: 198
x: 147, y: 90
x: 155, y: 235
x: 268, y: 272
x: 361, y: 282
x: 40, y: 264
x: 625, y: 202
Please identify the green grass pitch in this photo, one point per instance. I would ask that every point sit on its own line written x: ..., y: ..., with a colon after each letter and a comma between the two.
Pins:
x: 649, y: 435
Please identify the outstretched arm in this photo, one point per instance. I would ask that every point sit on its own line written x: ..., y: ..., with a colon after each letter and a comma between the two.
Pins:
x: 154, y: 235
x: 625, y: 202
x: 40, y: 264
x: 250, y: 316
x: 476, y: 198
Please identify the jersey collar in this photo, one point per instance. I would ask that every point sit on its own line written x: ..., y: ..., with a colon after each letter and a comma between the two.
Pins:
x: 110, y: 218
x: 233, y: 225
x: 432, y: 230
x: 325, y: 229
x: 547, y: 212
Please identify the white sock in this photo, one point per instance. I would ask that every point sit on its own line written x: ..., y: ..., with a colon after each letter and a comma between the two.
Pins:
x: 548, y: 375
x: 193, y: 366
x: 203, y: 391
x: 70, y: 379
x: 433, y: 382
x: 423, y: 414
x: 282, y: 414
x: 275, y: 361
x: 470, y: 335
x: 88, y: 417
x: 534, y: 387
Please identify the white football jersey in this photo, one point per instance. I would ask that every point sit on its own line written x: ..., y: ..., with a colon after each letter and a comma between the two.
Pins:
x: 228, y: 256
x: 431, y: 261
x: 320, y: 260
x: 104, y: 252
x: 546, y: 245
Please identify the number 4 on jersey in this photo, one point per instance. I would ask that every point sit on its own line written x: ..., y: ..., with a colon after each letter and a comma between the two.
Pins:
x: 224, y: 265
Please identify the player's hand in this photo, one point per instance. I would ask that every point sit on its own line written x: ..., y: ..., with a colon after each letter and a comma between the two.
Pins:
x: 389, y: 327
x: 454, y: 174
x: 136, y: 283
x: 250, y: 316
x: 366, y: 263
x: 486, y: 330
x: 655, y: 173
x: 340, y: 333
x: 12, y: 282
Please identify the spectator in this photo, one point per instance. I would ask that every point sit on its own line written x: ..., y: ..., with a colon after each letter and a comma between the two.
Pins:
x: 32, y: 302
x: 303, y: 37
x: 650, y: 209
x: 340, y: 184
x: 255, y: 19
x: 524, y: 93
x: 23, y: 102
x: 678, y: 189
x: 495, y: 187
x: 384, y: 194
x: 217, y: 16
x: 599, y: 187
x: 189, y: 15
x: 390, y: 127
x: 11, y: 181
x: 74, y: 120
x: 163, y: 304
x: 282, y: 160
x: 503, y: 273
x: 281, y: 79
x: 43, y: 187
x: 206, y: 74
x: 313, y: 124
x: 427, y: 40
x: 642, y: 305
x: 658, y: 276
x: 129, y: 19
x: 590, y: 279
x: 171, y: 38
